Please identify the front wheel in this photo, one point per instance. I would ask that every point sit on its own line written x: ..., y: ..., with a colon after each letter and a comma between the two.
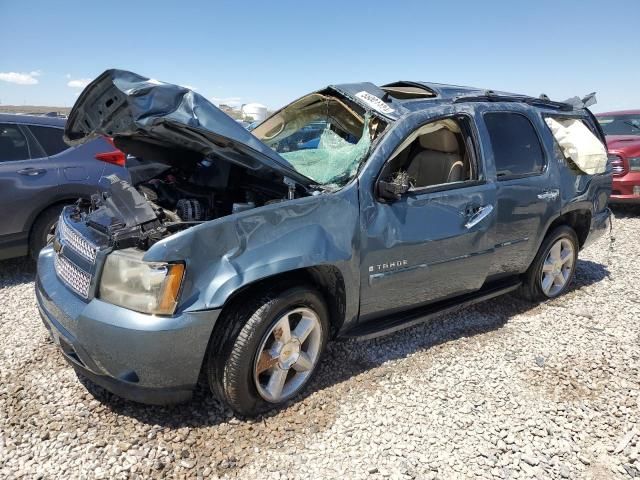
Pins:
x: 554, y: 266
x: 275, y: 353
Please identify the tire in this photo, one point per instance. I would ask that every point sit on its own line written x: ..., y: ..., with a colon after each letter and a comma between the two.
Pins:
x: 535, y: 286
x: 42, y: 227
x: 252, y: 327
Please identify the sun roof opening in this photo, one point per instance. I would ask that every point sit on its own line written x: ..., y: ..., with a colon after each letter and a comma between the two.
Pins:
x: 408, y: 91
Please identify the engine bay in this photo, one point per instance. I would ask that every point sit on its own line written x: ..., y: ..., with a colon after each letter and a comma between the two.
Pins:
x: 162, y: 200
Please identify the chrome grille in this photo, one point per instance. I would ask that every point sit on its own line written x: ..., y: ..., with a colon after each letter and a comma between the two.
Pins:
x: 76, y: 242
x: 78, y: 280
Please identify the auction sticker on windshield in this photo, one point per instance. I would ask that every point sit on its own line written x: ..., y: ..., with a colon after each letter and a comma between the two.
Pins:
x: 374, y: 102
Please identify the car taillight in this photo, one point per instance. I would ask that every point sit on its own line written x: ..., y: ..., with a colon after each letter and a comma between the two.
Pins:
x: 617, y: 165
x: 116, y: 157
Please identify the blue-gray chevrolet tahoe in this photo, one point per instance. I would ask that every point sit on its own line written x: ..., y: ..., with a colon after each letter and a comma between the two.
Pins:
x: 239, y: 255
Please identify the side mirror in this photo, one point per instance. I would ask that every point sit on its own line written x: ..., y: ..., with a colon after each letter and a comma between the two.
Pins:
x: 393, y: 188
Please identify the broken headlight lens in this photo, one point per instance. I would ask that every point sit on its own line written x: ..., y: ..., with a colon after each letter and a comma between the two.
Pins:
x: 634, y: 164
x: 148, y: 287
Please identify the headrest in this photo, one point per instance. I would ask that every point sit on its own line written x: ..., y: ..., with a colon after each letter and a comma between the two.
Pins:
x: 441, y: 140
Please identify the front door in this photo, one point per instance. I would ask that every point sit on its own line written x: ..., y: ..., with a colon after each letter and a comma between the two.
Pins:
x: 436, y: 240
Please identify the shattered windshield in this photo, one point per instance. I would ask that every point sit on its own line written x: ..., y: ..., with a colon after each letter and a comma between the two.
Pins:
x: 321, y: 137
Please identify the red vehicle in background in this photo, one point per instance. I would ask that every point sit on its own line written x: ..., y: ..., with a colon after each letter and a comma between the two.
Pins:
x: 622, y: 130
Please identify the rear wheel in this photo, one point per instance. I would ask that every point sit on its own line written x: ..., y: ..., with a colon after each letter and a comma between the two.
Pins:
x: 43, y: 229
x: 554, y: 266
x: 272, y: 348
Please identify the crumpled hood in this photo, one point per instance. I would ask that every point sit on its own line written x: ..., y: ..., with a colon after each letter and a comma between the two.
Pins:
x: 146, y: 115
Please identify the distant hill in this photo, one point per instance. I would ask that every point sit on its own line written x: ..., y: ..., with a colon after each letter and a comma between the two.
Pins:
x: 33, y: 109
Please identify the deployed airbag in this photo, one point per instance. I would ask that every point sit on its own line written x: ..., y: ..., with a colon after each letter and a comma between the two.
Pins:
x: 579, y: 144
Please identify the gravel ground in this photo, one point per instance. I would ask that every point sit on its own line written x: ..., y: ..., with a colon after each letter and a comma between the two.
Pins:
x: 503, y: 389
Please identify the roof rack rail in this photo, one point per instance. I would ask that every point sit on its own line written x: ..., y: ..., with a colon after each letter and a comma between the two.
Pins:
x: 491, y: 96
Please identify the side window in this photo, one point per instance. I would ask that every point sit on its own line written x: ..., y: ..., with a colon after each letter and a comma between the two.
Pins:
x: 13, y: 144
x: 578, y: 143
x: 50, y: 138
x: 516, y: 146
x: 439, y: 153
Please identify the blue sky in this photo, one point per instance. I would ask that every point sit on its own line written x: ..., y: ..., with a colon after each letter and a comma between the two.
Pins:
x: 274, y: 52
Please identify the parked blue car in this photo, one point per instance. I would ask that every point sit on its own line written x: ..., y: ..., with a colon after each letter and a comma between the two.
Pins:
x: 40, y: 174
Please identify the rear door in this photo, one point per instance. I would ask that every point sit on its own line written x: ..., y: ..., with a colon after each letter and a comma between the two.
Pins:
x: 528, y: 193
x: 79, y: 167
x: 50, y: 139
x: 26, y: 178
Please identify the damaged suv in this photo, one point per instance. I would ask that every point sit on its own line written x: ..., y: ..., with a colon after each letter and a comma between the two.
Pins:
x: 355, y: 211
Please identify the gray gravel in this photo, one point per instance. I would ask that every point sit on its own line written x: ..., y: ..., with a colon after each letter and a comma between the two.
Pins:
x: 503, y: 389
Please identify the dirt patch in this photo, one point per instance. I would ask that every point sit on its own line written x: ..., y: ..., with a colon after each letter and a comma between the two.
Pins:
x: 572, y: 378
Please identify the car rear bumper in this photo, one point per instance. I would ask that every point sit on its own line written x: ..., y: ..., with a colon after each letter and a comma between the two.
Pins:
x: 600, y: 224
x: 140, y: 357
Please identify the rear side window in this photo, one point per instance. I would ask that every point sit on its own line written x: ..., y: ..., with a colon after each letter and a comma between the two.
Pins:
x: 50, y: 138
x: 579, y: 144
x: 516, y: 147
x: 13, y: 144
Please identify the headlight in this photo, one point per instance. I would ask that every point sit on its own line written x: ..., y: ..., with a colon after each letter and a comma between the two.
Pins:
x: 634, y: 164
x: 148, y: 287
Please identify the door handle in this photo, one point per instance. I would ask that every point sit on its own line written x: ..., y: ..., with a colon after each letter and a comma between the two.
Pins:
x: 479, y: 215
x: 32, y: 172
x: 549, y: 194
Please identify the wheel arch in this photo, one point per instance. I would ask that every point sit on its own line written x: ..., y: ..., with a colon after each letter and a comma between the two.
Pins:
x: 59, y: 201
x: 327, y: 279
x: 579, y: 219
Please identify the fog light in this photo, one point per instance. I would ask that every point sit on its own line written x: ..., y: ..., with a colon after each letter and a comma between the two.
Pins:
x: 636, y: 190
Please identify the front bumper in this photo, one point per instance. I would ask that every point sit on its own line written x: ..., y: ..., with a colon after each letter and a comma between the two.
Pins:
x: 600, y: 223
x: 622, y: 188
x: 140, y: 357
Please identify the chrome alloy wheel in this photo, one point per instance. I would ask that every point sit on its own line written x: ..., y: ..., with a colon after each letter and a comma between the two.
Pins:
x: 288, y: 354
x: 557, y: 267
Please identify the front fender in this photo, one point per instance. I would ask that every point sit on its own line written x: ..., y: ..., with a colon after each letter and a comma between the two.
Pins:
x: 232, y: 252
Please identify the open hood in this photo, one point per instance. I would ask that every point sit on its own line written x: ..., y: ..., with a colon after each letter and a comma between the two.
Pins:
x: 167, y: 123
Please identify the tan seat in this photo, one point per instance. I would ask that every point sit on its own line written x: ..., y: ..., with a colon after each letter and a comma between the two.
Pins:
x: 439, y: 162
